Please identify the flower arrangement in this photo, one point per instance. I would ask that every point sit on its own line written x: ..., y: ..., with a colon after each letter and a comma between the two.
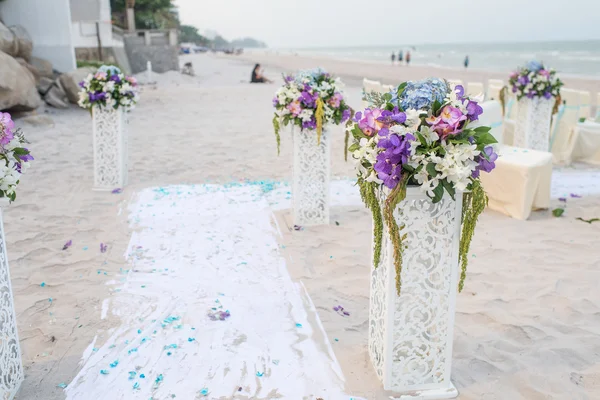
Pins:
x: 15, y: 157
x: 108, y: 87
x: 423, y: 134
x: 310, y: 100
x: 534, y: 80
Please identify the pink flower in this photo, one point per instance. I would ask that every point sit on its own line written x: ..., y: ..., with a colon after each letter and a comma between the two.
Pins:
x: 369, y: 124
x: 100, y: 75
x: 132, y: 80
x: 336, y: 100
x: 295, y: 108
x: 6, y: 127
x: 544, y: 72
x: 450, y: 121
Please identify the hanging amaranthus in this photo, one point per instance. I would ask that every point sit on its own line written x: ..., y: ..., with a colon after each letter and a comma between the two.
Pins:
x: 276, y: 128
x: 320, y: 116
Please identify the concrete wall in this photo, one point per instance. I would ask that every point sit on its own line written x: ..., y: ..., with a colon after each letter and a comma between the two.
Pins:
x: 49, y: 24
x: 160, y: 48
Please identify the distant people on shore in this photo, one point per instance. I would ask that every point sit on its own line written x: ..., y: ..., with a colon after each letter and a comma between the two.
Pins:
x: 400, y: 57
x: 407, y: 57
x: 467, y: 61
x: 393, y: 58
x: 257, y: 76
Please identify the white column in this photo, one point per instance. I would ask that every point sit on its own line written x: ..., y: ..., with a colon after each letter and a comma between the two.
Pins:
x: 311, y: 175
x: 110, y: 148
x: 532, y: 129
x: 410, y: 336
x: 11, y: 367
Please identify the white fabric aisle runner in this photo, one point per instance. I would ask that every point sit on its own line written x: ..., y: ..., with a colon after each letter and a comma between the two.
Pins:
x: 201, y: 249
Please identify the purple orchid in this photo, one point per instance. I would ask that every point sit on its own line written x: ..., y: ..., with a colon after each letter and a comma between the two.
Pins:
x: 523, y: 80
x: 312, y: 124
x: 345, y: 115
x: 547, y: 95
x: 474, y: 110
x: 486, y: 161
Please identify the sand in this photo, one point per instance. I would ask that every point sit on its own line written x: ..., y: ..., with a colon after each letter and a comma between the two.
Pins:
x: 527, y: 324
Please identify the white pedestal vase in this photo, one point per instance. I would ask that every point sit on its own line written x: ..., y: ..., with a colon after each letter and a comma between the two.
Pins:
x: 311, y: 175
x: 110, y: 148
x: 532, y: 129
x: 11, y: 367
x: 411, y: 335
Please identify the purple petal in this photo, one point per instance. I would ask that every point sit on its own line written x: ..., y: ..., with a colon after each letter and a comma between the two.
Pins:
x: 575, y: 196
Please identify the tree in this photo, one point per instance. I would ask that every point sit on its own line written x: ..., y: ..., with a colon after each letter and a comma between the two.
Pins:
x: 149, y: 14
x: 189, y: 34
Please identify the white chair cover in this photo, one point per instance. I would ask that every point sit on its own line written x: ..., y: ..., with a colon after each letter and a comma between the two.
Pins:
x: 475, y: 88
x: 492, y: 116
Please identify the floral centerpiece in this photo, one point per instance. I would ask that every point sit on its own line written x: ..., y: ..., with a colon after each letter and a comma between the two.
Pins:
x: 535, y: 80
x: 108, y: 87
x: 15, y: 157
x: 310, y: 100
x: 421, y: 134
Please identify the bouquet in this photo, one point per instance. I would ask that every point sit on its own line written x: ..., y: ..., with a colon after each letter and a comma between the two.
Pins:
x: 14, y: 155
x: 310, y: 100
x: 423, y: 134
x: 108, y: 87
x: 535, y: 80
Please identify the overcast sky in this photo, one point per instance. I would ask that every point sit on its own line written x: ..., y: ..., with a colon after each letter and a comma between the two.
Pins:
x: 327, y: 23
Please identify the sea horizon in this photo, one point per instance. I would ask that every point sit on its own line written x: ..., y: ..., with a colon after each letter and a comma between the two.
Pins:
x: 577, y: 58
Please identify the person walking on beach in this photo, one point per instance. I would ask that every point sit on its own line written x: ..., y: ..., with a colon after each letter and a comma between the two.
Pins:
x: 467, y: 61
x: 407, y: 57
x: 393, y: 58
x: 400, y: 57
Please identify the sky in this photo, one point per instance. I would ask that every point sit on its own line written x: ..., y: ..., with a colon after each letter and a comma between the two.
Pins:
x: 334, y: 23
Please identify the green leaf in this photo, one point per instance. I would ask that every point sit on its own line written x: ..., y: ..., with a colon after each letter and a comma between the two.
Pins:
x: 449, y: 188
x: 589, y: 221
x: 354, y: 147
x: 436, y: 107
x: 421, y: 139
x: 484, y: 139
x: 438, y: 193
x: 431, y: 170
x: 387, y: 97
x: 408, y: 168
x: 557, y: 212
x: 357, y: 133
x: 21, y: 151
x: 482, y: 129
x: 401, y: 88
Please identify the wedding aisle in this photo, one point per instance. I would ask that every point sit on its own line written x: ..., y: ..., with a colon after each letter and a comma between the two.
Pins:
x: 207, y: 306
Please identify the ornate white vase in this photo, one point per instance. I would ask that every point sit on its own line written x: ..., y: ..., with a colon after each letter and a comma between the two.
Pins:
x: 410, y: 336
x: 11, y: 367
x: 110, y: 148
x: 534, y: 117
x: 311, y: 174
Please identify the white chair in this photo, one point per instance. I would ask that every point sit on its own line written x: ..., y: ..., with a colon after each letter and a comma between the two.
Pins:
x: 492, y: 116
x: 455, y: 81
x: 563, y: 123
x: 387, y: 88
x: 585, y: 108
x: 520, y: 182
x: 475, y: 88
x: 493, y: 92
x: 495, y: 82
x: 510, y: 117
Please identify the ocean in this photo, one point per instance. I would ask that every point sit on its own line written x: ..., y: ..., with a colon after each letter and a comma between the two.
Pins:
x: 576, y: 58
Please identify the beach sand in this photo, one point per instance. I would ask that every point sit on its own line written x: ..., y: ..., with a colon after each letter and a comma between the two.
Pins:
x: 527, y: 323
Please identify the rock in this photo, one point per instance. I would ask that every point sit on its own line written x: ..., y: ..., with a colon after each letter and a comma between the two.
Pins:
x: 17, y: 86
x: 23, y: 41
x: 70, y: 82
x: 56, y: 96
x: 7, y: 41
x: 38, y: 120
x: 34, y: 71
x: 44, y: 66
x: 44, y: 85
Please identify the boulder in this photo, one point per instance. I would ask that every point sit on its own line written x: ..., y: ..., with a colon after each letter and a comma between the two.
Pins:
x: 34, y: 71
x: 7, y: 41
x: 17, y: 86
x: 23, y: 41
x: 44, y: 66
x: 44, y: 85
x: 70, y: 82
x: 56, y: 97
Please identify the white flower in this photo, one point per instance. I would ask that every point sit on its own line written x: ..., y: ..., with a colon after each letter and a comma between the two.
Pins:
x: 413, y: 119
x: 428, y: 134
x: 373, y: 178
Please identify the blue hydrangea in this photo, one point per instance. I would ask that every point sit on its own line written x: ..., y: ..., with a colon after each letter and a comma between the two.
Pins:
x: 534, y: 66
x: 109, y: 69
x: 310, y: 73
x: 420, y: 95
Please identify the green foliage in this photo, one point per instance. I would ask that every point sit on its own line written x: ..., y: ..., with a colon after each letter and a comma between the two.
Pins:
x: 150, y: 14
x: 474, y: 202
x: 276, y: 128
x: 558, y: 212
x: 190, y: 34
x: 95, y: 64
x: 367, y: 193
x: 394, y: 198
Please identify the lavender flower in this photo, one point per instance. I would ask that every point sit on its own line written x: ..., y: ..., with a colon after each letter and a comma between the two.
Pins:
x: 486, y: 161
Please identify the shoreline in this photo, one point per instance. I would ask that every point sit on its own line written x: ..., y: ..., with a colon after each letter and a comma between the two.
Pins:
x: 354, y: 70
